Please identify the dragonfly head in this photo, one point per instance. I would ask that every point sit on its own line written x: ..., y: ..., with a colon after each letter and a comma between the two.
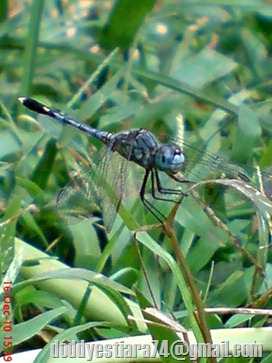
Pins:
x: 169, y: 158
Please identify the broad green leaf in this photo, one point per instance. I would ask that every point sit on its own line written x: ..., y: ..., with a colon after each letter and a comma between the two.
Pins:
x: 205, y: 67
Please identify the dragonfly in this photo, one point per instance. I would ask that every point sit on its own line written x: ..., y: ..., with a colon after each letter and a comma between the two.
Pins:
x: 105, y: 183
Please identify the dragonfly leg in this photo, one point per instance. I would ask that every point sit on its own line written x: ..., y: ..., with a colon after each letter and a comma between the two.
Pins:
x: 145, y: 202
x: 161, y: 189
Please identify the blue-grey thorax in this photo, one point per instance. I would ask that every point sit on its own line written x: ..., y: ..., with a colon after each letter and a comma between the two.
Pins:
x: 138, y: 145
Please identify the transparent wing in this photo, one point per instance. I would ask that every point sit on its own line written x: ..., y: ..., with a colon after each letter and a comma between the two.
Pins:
x: 79, y: 199
x: 204, y: 166
x: 92, y: 192
x: 112, y: 185
x: 201, y: 165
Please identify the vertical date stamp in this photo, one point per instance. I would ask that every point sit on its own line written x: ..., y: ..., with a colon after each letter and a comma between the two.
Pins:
x: 7, y: 323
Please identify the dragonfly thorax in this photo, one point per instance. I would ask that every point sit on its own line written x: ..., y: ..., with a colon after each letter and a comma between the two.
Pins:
x: 138, y: 145
x: 169, y: 158
x: 141, y: 146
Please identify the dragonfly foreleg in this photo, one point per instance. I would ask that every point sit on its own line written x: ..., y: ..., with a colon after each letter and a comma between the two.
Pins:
x: 152, y: 209
x: 161, y: 189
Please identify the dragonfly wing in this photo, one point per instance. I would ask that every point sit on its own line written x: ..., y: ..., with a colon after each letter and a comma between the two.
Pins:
x: 202, y: 165
x: 78, y: 200
x: 112, y: 188
x: 96, y: 190
x: 101, y: 188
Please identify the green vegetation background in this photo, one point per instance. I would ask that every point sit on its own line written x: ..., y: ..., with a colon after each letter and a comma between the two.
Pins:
x: 209, y: 61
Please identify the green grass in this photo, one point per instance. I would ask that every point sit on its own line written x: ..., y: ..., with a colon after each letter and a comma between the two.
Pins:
x: 208, y: 61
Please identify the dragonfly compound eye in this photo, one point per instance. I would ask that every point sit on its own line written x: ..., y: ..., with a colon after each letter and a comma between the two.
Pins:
x: 169, y: 158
